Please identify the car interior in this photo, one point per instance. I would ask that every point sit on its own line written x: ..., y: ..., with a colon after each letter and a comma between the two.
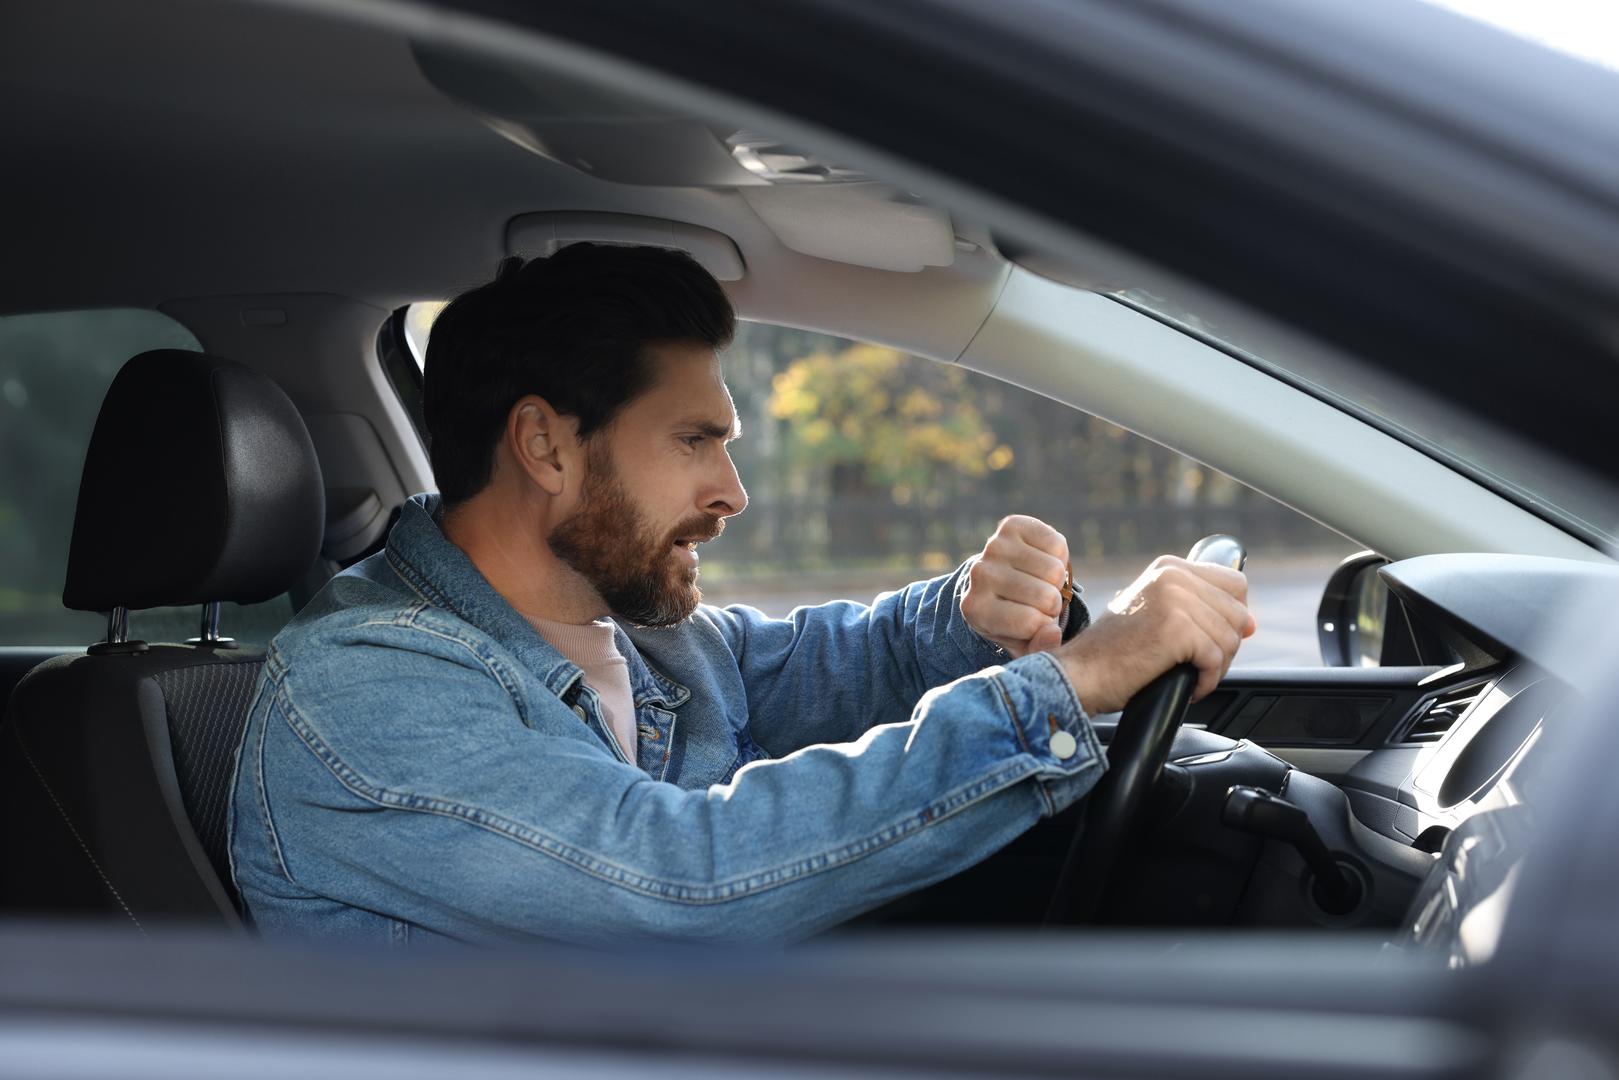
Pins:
x: 285, y: 185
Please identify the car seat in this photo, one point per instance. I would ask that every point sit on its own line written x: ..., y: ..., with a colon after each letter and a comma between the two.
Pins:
x: 201, y: 485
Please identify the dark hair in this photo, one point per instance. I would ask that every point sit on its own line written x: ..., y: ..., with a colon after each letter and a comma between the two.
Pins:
x: 572, y: 328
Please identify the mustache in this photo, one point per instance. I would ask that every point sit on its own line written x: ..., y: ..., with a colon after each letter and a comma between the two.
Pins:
x: 701, y: 529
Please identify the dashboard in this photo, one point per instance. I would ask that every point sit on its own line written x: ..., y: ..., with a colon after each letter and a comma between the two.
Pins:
x: 1419, y: 782
x: 1425, y: 788
x: 1494, y: 731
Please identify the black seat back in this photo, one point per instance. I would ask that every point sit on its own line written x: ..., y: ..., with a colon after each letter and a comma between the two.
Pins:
x: 201, y: 485
x: 116, y: 772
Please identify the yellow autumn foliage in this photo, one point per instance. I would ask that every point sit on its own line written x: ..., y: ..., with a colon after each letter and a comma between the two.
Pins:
x: 905, y: 420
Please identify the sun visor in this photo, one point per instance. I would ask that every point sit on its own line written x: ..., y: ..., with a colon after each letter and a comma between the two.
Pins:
x: 546, y: 233
x: 867, y: 224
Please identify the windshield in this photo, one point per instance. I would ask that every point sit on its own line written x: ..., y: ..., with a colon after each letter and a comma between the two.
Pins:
x: 1576, y: 27
x: 1566, y: 498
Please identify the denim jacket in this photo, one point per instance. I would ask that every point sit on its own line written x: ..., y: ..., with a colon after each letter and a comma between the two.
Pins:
x: 419, y: 762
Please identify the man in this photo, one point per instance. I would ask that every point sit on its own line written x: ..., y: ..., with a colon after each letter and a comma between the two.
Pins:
x: 518, y: 721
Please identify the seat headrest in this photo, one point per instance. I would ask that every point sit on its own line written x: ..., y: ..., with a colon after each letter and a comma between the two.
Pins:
x: 201, y: 484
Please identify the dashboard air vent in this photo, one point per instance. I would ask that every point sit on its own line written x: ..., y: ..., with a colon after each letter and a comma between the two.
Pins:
x: 1440, y: 715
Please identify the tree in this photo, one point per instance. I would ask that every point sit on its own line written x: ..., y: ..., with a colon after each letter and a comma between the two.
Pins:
x: 879, y: 421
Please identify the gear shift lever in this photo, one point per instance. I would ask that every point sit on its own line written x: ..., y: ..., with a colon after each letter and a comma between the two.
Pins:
x: 1255, y: 810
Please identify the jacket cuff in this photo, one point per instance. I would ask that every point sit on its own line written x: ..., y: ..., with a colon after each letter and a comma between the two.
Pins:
x: 1053, y: 728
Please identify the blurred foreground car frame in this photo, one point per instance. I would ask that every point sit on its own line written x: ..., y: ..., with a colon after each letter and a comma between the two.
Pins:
x: 1362, y: 184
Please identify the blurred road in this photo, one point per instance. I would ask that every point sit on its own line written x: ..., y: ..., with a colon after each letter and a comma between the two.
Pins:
x: 1284, y: 591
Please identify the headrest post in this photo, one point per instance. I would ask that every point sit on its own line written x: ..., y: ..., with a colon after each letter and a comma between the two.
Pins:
x: 117, y: 642
x: 210, y: 621
x: 210, y: 629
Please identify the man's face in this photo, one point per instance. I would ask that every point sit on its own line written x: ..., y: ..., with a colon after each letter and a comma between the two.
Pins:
x: 659, y: 481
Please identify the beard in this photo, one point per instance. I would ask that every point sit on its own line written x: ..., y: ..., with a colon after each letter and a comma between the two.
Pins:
x: 629, y: 562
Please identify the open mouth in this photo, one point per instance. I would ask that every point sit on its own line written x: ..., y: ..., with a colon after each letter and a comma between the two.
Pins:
x: 686, y: 547
x: 690, y: 542
x: 686, y: 550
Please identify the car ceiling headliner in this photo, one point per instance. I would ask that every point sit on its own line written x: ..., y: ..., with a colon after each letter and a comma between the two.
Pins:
x: 192, y: 148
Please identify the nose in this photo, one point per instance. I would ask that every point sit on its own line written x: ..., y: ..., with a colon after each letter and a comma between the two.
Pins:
x: 730, y: 498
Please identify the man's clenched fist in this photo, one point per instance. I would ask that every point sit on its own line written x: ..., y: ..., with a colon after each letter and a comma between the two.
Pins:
x: 1014, y: 590
x: 1175, y: 612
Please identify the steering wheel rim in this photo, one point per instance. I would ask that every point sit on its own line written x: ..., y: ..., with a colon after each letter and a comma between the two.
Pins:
x: 1136, y: 757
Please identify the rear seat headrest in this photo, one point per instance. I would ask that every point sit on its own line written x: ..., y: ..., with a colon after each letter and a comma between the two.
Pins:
x: 201, y: 484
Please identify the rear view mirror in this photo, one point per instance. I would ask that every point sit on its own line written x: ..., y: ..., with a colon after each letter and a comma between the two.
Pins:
x: 1352, y: 621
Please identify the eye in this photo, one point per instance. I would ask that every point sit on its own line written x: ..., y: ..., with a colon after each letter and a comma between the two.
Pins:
x: 692, y: 441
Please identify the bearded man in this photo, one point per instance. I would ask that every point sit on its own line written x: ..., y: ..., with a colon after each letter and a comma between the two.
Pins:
x: 519, y: 721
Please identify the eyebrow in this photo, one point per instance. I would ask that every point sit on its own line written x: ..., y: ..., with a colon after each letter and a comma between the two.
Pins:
x: 706, y: 426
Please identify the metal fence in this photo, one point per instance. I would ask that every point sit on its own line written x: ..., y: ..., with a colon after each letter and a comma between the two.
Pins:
x: 786, y: 534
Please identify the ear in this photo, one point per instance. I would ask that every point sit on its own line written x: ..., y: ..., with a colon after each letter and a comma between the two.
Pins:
x: 542, y: 443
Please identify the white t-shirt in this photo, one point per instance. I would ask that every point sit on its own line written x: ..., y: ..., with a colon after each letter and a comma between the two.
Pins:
x: 592, y: 648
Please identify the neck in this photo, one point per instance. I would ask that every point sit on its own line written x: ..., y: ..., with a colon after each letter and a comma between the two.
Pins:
x: 504, y: 536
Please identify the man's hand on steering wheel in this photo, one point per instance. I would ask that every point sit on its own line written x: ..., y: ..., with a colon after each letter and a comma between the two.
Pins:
x: 1178, y: 612
x: 1175, y: 612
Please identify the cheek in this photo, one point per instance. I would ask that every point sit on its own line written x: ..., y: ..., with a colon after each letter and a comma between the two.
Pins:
x: 669, y: 489
x: 659, y: 506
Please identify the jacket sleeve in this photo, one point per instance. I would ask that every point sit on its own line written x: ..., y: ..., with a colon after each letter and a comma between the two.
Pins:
x: 486, y: 822
x: 827, y: 673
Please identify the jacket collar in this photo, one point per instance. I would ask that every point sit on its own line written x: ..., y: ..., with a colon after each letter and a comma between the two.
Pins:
x: 419, y: 552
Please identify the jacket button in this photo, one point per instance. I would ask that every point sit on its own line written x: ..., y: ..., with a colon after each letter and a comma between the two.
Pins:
x: 1064, y: 745
x: 579, y: 711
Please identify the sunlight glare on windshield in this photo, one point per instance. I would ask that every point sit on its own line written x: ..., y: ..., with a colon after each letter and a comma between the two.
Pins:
x: 1579, y: 28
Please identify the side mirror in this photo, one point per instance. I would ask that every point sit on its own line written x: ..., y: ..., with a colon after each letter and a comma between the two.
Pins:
x: 1353, y: 618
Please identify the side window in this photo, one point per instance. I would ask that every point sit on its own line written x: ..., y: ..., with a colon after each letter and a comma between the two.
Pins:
x: 418, y: 323
x: 867, y: 468
x: 54, y: 370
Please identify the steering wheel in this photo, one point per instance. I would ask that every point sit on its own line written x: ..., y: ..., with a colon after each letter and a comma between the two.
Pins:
x: 1135, y: 758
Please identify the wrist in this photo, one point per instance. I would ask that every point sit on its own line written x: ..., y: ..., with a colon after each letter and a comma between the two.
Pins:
x: 1079, y: 677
